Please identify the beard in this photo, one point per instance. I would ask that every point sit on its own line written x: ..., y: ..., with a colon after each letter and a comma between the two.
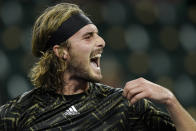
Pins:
x: 81, y: 70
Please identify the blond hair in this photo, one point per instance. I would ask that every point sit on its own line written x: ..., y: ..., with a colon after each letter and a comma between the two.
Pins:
x: 49, y: 70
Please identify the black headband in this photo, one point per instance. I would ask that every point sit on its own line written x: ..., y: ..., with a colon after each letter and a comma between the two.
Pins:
x: 68, y: 28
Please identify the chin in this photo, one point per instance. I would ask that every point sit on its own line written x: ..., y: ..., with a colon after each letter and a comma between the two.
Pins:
x: 95, y: 78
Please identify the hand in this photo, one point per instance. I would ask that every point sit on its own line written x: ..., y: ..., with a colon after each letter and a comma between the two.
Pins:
x: 141, y: 88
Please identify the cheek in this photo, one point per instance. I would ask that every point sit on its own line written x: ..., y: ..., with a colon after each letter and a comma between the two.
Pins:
x: 80, y: 57
x: 84, y: 53
x: 81, y: 50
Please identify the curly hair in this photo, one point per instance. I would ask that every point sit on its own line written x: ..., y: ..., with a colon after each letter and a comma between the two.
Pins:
x: 48, y: 72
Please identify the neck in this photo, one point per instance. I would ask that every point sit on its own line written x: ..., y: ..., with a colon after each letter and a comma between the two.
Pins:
x: 73, y: 85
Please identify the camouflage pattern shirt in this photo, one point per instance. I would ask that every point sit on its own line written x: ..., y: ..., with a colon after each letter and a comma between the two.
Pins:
x: 101, y: 108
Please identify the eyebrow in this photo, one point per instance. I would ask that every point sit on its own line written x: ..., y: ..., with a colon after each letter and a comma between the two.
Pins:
x: 90, y: 33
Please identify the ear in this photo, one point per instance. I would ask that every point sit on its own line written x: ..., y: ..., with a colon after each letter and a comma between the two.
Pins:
x: 56, y: 50
x: 60, y: 53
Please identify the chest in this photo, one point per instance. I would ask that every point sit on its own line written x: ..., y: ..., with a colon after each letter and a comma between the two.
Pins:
x: 88, y: 114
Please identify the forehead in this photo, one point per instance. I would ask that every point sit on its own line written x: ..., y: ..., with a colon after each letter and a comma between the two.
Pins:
x: 89, y: 27
x: 86, y: 29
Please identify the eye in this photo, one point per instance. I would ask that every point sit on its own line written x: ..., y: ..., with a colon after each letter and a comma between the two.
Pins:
x: 87, y: 37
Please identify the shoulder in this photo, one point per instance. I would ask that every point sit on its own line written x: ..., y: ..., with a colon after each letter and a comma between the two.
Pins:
x: 12, y: 110
x: 20, y: 102
x: 15, y: 103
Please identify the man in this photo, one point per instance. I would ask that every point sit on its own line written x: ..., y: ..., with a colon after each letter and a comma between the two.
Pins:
x: 67, y: 95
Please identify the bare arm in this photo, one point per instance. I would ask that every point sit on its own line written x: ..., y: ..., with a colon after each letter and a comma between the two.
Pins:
x: 141, y: 88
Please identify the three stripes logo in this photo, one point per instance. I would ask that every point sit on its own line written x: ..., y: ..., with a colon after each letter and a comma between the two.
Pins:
x: 71, y: 112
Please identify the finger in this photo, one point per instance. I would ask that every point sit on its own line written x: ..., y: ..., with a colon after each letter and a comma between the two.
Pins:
x: 134, y: 92
x: 127, y: 88
x: 124, y: 92
x: 132, y: 84
x: 138, y: 97
x: 141, y: 79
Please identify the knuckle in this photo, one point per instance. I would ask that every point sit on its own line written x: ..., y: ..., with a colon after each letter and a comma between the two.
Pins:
x: 125, y: 92
x: 126, y: 84
x: 129, y: 82
x: 142, y: 84
x: 141, y: 80
x: 130, y: 92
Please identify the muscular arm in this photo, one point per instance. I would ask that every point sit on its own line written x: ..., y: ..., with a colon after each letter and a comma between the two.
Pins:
x: 141, y: 88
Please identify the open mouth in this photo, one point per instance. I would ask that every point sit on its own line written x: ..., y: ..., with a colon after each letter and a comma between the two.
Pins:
x: 95, y: 60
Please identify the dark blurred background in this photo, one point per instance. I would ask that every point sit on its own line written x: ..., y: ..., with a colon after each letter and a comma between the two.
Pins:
x: 154, y: 39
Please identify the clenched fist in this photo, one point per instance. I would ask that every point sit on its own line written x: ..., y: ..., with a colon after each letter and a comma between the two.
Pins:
x: 141, y: 88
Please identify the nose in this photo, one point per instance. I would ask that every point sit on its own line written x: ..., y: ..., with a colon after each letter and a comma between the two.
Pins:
x: 100, y: 41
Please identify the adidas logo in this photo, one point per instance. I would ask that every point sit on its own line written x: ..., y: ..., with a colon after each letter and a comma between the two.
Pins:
x: 71, y: 111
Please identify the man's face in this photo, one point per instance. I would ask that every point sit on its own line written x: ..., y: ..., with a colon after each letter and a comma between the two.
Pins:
x: 85, y: 53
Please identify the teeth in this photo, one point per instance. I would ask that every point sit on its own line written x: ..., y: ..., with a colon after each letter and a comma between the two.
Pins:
x: 95, y: 60
x: 97, y: 56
